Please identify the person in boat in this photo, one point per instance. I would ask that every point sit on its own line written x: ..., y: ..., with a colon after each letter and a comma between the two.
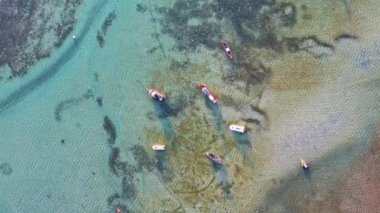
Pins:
x: 208, y: 93
x: 157, y: 95
x: 304, y: 164
x: 214, y: 158
x: 227, y: 49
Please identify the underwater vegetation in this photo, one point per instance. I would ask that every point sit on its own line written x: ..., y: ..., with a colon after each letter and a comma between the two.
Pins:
x: 199, y: 22
x: 113, y: 160
x: 5, y: 169
x: 99, y: 101
x: 106, y: 24
x: 114, y: 203
x: 31, y: 30
x: 314, y: 46
x: 128, y: 188
x: 66, y: 104
x: 142, y: 158
x: 180, y: 84
x: 111, y: 199
x: 192, y: 175
x: 110, y: 129
x: 128, y: 171
x: 141, y: 8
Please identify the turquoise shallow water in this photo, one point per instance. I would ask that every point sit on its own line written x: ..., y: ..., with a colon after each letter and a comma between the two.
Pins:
x: 60, y: 154
x: 61, y: 164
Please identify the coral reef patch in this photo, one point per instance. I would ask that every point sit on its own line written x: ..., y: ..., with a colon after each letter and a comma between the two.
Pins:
x: 110, y: 129
x: 106, y: 24
x: 314, y: 46
x: 128, y: 188
x: 113, y: 160
x: 141, y: 8
x: 31, y: 30
x: 200, y: 22
x: 5, y: 169
x: 142, y: 158
x: 66, y: 104
x: 99, y: 101
x: 111, y: 199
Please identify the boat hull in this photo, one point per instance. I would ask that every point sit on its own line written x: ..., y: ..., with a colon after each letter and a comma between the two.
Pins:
x: 215, y: 158
x: 227, y: 49
x: 158, y: 147
x: 207, y: 92
x: 237, y: 128
x: 157, y: 95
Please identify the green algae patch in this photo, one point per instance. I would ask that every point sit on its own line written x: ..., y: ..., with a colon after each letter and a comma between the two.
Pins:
x: 293, y: 75
x: 195, y: 180
x: 32, y: 30
x: 200, y: 127
x: 187, y: 160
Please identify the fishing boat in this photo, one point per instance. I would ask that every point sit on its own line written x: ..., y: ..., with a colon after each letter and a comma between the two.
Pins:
x: 226, y: 48
x: 304, y: 164
x: 159, y: 96
x: 206, y: 91
x: 237, y: 128
x: 158, y: 147
x: 214, y: 158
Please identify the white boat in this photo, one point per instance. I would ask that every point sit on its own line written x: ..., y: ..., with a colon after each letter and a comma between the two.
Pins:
x: 237, y: 128
x: 214, y: 158
x: 158, y: 147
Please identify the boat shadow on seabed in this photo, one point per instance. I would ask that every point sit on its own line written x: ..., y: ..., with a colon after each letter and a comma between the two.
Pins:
x: 163, y: 112
x: 217, y: 117
x: 242, y: 142
x: 222, y: 178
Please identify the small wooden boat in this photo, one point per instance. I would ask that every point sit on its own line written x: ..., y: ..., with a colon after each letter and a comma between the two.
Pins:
x: 237, y: 128
x: 304, y: 164
x: 207, y: 92
x: 159, y: 96
x: 214, y: 158
x: 158, y: 147
x: 226, y: 48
